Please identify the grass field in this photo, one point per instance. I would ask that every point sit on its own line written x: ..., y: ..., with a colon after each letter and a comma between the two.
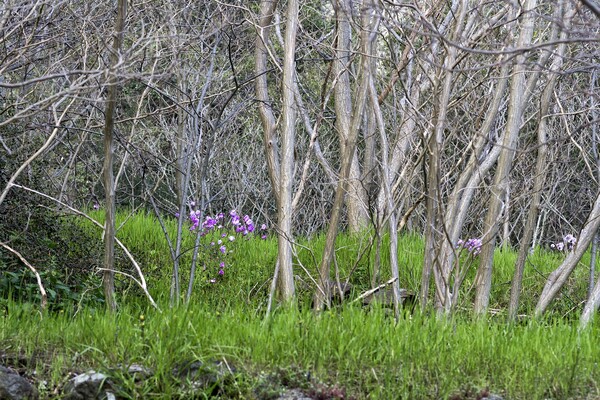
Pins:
x: 347, y: 352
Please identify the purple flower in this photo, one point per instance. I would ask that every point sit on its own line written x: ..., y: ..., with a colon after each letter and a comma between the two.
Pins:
x: 223, y: 249
x: 221, y: 272
x: 473, y: 245
x: 263, y: 237
x: 231, y: 238
x: 195, y: 221
x: 263, y: 227
x: 570, y: 241
x: 96, y: 206
x: 209, y: 223
x: 176, y: 215
x: 222, y: 264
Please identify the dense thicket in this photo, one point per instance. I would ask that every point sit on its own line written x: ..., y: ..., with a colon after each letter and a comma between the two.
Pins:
x: 443, y: 115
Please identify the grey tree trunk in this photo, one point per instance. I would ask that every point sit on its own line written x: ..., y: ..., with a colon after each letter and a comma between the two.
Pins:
x: 109, y: 184
x: 435, y: 231
x: 355, y: 193
x: 267, y: 9
x: 540, y: 168
x: 483, y: 280
x: 322, y: 293
x: 286, y: 174
x: 559, y: 276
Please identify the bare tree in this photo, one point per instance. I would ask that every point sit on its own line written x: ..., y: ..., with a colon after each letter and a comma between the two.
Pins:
x: 509, y: 143
x: 109, y: 183
x: 322, y: 294
x: 541, y: 164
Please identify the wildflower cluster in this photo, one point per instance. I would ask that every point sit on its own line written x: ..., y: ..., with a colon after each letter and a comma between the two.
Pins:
x: 220, y: 232
x: 473, y: 245
x: 567, y: 244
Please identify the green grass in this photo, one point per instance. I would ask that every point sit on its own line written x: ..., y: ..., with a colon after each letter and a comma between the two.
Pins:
x: 364, y: 352
x: 361, y: 351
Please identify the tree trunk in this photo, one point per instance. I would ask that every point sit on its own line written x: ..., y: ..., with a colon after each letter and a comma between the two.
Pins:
x: 483, y: 280
x: 540, y: 169
x: 109, y: 184
x: 286, y: 174
x: 267, y: 8
x: 322, y: 293
x: 558, y: 277
x: 435, y: 231
x: 355, y: 192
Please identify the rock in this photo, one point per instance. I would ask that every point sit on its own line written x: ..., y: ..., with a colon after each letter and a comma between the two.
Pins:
x: 90, y: 385
x: 492, y: 396
x: 294, y: 394
x: 212, y: 376
x: 137, y: 371
x: 14, y: 387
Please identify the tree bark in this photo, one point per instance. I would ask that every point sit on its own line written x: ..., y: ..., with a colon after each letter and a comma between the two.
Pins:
x: 540, y: 168
x: 483, y: 280
x: 267, y: 9
x: 286, y: 174
x: 322, y: 293
x: 355, y: 192
x: 559, y: 276
x: 109, y: 184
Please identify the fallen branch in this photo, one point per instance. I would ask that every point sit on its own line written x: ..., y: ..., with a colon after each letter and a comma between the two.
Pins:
x: 142, y: 280
x: 32, y: 268
x: 371, y: 291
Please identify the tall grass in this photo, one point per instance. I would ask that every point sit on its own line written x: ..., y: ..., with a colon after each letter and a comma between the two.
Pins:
x: 365, y: 352
x: 362, y: 350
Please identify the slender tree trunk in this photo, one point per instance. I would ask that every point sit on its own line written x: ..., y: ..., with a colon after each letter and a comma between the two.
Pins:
x: 596, y: 153
x: 267, y: 9
x: 435, y: 231
x: 356, y: 196
x: 286, y: 174
x: 390, y: 209
x: 322, y: 293
x: 540, y: 168
x: 559, y: 276
x: 109, y: 184
x: 499, y: 188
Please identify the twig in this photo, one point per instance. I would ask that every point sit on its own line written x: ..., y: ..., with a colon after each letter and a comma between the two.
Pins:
x: 272, y: 290
x: 142, y: 281
x: 370, y: 292
x: 32, y: 268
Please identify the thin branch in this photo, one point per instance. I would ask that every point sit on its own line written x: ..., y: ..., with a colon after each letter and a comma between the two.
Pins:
x: 32, y: 268
x: 142, y: 281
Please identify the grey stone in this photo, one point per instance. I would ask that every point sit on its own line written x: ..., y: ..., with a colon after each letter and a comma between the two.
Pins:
x: 90, y: 385
x: 492, y: 396
x: 200, y: 376
x: 14, y: 387
x: 294, y: 394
